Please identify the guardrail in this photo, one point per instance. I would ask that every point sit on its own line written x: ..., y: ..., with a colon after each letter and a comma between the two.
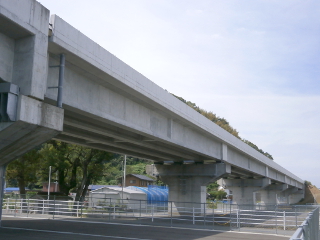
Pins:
x: 309, y: 229
x: 271, y: 218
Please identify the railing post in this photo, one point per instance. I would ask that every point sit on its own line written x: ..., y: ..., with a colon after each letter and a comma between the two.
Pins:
x: 15, y: 207
x: 78, y: 209
x: 28, y: 206
x: 204, y: 212
x: 114, y: 211
x: 305, y: 232
x: 152, y: 209
x: 193, y: 215
x: 230, y: 218
x: 21, y: 206
x: 276, y: 215
x: 81, y: 207
x: 54, y: 206
x: 295, y: 207
x: 171, y: 214
x: 284, y: 220
x: 213, y: 216
x: 238, y: 224
x: 8, y: 201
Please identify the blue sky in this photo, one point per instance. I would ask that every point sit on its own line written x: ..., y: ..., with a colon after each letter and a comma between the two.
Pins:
x: 253, y: 62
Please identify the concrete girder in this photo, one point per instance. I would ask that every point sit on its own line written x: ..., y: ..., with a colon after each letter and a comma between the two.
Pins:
x: 93, y: 139
x: 292, y: 190
x: 278, y: 187
x: 123, y: 137
x: 82, y: 142
x: 260, y: 183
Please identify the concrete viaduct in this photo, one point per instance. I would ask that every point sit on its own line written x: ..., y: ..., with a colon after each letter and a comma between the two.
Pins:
x: 56, y: 83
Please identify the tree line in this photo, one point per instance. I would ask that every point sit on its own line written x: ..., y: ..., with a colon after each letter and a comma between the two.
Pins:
x: 74, y: 167
x: 223, y: 123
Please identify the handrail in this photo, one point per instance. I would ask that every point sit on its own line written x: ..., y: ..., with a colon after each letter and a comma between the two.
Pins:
x: 309, y: 229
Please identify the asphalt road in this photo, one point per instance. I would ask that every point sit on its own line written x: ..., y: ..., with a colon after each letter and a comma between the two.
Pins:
x: 35, y: 229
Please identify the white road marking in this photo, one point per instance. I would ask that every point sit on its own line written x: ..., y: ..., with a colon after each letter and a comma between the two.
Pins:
x: 83, y: 234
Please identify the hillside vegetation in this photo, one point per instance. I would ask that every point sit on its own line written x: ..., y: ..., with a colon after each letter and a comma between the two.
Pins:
x: 223, y: 123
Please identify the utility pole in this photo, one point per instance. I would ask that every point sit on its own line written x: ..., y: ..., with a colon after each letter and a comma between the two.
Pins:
x: 124, y: 171
x: 124, y: 174
x: 49, y: 182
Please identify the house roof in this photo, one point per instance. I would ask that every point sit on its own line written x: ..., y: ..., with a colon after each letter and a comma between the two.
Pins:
x: 117, y: 190
x: 12, y: 189
x: 142, y: 177
x: 94, y: 187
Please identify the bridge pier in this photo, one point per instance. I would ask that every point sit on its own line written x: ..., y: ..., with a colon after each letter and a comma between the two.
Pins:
x: 261, y: 191
x: 250, y: 191
x: 25, y: 123
x: 187, y: 183
x: 294, y: 194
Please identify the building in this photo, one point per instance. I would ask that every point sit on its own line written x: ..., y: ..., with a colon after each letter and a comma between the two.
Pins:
x: 13, y: 190
x: 54, y: 187
x: 137, y: 180
x: 111, y: 196
x: 132, y: 197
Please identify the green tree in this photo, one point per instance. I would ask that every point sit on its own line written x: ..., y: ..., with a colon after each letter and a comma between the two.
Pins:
x: 113, y: 169
x: 213, y: 187
x: 24, y: 169
x: 307, y: 183
x: 76, y: 166
x: 217, y: 195
x: 258, y: 149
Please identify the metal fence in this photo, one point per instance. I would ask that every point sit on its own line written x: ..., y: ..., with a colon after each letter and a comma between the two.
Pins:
x: 276, y: 219
x: 309, y: 229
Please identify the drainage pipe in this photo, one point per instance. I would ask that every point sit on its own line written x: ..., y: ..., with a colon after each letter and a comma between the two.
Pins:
x: 61, y: 80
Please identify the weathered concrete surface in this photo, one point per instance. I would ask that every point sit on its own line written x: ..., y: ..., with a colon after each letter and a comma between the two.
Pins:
x: 24, y: 63
x: 23, y: 45
x: 36, y: 123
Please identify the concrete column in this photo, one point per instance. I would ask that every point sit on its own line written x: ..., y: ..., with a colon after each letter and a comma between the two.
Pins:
x: 187, y: 183
x: 293, y: 194
x: 248, y: 191
x: 281, y: 193
x: 2, y: 184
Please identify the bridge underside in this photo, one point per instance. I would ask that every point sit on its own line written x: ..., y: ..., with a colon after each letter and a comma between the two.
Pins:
x: 91, y: 131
